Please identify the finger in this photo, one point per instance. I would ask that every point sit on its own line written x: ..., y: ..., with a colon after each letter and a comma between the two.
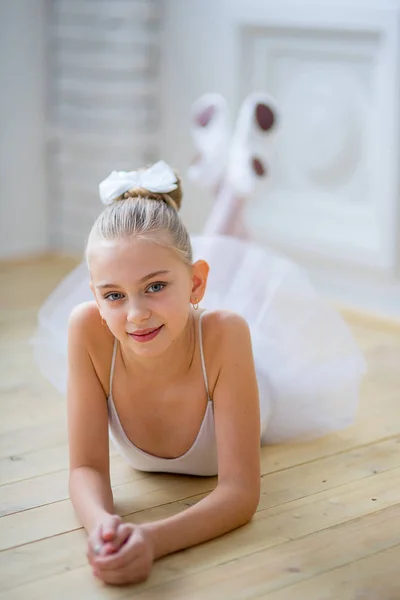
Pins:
x: 116, y: 560
x: 120, y: 538
x: 131, y: 551
x: 122, y: 535
x: 124, y: 531
x: 130, y: 574
x: 106, y: 549
x: 95, y: 542
x: 97, y: 545
x: 109, y: 529
x: 111, y: 580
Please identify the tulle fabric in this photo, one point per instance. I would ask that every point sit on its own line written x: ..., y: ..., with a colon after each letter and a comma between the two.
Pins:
x: 308, y: 365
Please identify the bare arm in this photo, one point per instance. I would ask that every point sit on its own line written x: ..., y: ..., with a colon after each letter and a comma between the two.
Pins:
x: 89, y: 481
x: 237, y: 422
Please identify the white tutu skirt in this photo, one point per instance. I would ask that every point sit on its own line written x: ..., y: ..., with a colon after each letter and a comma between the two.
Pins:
x: 308, y: 366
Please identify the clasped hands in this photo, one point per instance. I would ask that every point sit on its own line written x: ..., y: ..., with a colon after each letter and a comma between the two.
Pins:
x: 120, y: 553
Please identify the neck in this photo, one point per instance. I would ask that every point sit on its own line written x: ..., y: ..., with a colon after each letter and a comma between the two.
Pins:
x: 174, y: 362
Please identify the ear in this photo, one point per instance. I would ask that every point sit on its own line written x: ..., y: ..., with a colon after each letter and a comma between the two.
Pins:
x: 200, y: 271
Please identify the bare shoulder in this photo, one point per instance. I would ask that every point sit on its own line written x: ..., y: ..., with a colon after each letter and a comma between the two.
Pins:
x: 89, y: 341
x: 224, y: 327
x: 227, y: 344
x: 85, y: 327
x: 84, y: 316
x: 85, y: 319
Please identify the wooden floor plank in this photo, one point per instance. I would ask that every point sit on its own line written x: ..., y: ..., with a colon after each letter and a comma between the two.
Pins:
x: 33, y: 438
x: 33, y: 464
x: 40, y: 462
x: 372, y: 578
x: 53, y: 487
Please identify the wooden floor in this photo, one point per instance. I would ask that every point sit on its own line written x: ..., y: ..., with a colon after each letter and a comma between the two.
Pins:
x: 328, y: 523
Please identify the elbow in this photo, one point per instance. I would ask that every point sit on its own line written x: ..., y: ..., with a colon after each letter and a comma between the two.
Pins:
x: 249, y: 499
x: 249, y: 508
x: 245, y: 504
x: 245, y: 512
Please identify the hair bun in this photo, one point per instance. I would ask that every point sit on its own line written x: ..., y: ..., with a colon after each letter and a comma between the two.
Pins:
x: 173, y: 199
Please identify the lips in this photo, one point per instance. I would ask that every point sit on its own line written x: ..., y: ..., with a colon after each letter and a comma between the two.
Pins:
x: 145, y: 335
x: 143, y: 331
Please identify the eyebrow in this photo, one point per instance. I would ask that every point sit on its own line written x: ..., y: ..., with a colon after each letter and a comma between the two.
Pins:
x: 145, y: 278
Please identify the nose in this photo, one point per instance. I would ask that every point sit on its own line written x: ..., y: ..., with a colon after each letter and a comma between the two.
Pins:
x: 138, y: 312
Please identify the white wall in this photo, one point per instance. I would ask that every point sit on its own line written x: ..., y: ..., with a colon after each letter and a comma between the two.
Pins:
x: 333, y: 200
x: 103, y: 104
x: 198, y: 56
x: 23, y: 214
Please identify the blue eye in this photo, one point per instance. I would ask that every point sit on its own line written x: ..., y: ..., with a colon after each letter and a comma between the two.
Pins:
x: 113, y: 296
x: 156, y: 287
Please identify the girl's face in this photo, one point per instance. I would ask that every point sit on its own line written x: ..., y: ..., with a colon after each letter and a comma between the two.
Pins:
x: 143, y: 291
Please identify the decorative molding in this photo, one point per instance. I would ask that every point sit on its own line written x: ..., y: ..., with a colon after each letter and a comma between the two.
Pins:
x: 334, y: 190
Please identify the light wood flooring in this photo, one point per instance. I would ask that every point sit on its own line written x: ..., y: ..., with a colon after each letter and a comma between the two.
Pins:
x: 328, y: 522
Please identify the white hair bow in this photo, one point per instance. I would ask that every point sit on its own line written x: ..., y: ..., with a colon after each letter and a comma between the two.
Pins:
x: 159, y: 178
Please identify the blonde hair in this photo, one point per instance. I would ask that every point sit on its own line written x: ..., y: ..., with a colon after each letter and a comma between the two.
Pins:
x: 139, y: 213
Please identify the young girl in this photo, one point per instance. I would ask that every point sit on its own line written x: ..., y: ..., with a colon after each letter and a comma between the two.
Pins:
x: 176, y: 386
